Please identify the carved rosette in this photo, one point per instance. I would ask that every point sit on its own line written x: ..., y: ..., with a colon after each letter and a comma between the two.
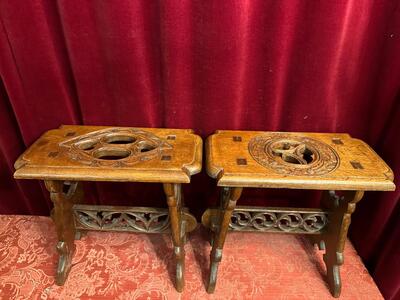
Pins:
x: 115, y: 147
x: 291, y: 155
x: 290, y: 222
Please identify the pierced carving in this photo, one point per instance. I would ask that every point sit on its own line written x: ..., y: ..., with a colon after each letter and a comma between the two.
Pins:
x: 132, y: 219
x: 149, y: 220
x: 293, y: 155
x: 278, y: 220
x: 270, y: 219
x: 115, y: 147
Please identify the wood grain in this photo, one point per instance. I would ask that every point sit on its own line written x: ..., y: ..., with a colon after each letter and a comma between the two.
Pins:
x: 64, y: 196
x: 100, y: 153
x: 293, y: 160
x: 66, y: 156
x: 230, y: 161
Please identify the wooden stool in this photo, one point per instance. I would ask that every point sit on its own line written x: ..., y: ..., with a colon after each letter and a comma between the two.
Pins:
x: 318, y: 161
x: 65, y: 157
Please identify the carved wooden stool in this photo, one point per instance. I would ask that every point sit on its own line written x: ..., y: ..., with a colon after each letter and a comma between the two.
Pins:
x: 328, y: 162
x: 65, y: 157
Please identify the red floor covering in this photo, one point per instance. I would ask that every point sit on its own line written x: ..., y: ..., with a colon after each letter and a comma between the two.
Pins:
x: 140, y: 266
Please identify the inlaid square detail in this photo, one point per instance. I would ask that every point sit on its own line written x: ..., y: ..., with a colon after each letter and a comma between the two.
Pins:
x: 337, y: 141
x: 241, y: 161
x: 356, y: 165
x: 52, y: 154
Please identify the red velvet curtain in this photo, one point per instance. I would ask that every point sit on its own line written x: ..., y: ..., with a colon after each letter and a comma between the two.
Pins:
x: 331, y: 66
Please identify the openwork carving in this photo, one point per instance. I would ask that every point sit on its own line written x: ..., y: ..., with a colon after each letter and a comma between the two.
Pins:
x: 116, y: 147
x: 133, y: 219
x: 293, y: 155
x: 108, y: 218
x: 278, y: 220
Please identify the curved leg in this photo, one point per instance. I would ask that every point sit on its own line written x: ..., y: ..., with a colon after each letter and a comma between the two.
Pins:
x: 183, y: 221
x: 64, y: 195
x: 229, y: 196
x: 174, y: 194
x: 334, y: 239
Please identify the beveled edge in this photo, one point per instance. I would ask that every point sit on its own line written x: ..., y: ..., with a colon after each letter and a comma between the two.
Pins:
x: 187, y: 130
x: 212, y: 169
x: 389, y: 172
x: 196, y: 165
x: 294, y: 183
x: 188, y: 169
x: 123, y: 176
x: 20, y: 162
x: 217, y: 172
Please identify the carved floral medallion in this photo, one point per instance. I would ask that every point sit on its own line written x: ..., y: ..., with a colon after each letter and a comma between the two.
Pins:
x: 293, y: 155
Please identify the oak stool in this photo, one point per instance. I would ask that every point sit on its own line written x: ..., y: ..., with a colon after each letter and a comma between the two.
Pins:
x: 65, y: 157
x: 342, y: 166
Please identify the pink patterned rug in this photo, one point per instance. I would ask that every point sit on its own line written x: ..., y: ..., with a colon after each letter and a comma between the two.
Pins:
x: 140, y: 266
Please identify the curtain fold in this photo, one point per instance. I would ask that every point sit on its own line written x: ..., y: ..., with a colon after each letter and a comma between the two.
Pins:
x: 206, y: 65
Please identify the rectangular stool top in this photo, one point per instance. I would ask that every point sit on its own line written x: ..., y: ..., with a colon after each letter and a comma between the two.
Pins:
x: 321, y: 161
x: 103, y: 153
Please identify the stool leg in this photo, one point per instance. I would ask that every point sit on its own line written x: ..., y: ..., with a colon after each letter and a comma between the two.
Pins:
x: 229, y: 196
x: 173, y: 193
x: 334, y: 239
x: 64, y: 195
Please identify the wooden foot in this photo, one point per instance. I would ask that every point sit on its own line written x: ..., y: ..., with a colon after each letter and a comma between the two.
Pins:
x: 64, y: 195
x: 229, y: 196
x: 173, y: 193
x: 333, y: 240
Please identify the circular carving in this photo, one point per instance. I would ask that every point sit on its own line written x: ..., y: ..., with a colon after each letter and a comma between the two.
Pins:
x: 314, y: 222
x: 293, y: 155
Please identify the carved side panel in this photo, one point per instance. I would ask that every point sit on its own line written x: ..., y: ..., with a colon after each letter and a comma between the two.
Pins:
x: 108, y: 218
x: 272, y: 220
x: 132, y: 219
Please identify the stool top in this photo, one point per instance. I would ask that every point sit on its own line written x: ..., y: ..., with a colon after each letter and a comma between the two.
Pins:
x: 103, y: 153
x: 320, y: 161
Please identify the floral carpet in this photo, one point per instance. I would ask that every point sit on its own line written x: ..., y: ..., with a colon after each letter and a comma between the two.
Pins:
x: 141, y: 266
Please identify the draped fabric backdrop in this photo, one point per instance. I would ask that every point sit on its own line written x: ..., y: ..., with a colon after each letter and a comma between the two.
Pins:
x: 331, y: 66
